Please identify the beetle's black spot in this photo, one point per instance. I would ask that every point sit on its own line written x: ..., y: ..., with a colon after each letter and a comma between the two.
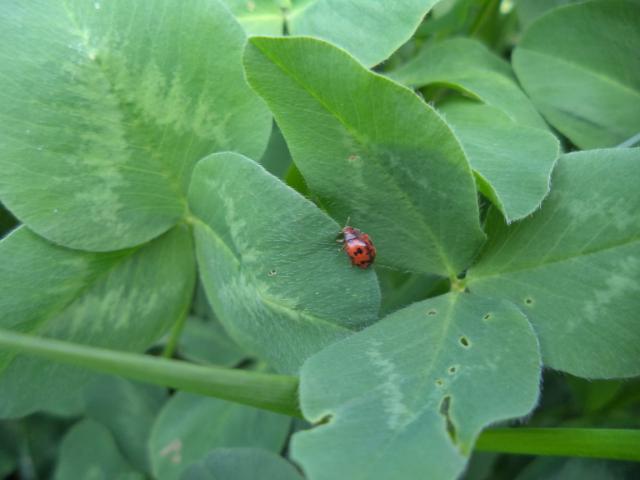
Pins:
x: 359, y: 251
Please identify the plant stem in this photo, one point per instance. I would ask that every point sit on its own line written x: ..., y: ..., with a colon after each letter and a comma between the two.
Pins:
x: 174, y: 336
x: 278, y: 393
x: 488, y: 9
x: 613, y: 444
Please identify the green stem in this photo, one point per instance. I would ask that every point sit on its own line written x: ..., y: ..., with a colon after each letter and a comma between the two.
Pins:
x: 488, y: 9
x: 174, y: 336
x: 278, y: 393
x: 613, y: 444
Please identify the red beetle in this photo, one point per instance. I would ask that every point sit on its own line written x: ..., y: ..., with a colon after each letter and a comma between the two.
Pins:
x: 358, y: 246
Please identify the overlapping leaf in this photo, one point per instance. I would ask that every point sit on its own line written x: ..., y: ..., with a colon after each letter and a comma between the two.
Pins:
x: 270, y: 265
x: 190, y: 426
x: 206, y: 341
x: 259, y: 17
x: 370, y: 31
x: 579, y: 64
x: 512, y: 162
x: 128, y: 410
x: 372, y: 151
x: 467, y: 65
x: 124, y: 300
x: 106, y: 106
x: 529, y: 10
x: 573, y: 267
x: 407, y: 397
x: 241, y: 464
x: 89, y: 448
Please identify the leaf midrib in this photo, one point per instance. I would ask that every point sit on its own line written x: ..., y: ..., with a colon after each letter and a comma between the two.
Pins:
x: 444, y: 260
x: 266, y: 299
x: 424, y: 373
x: 163, y: 169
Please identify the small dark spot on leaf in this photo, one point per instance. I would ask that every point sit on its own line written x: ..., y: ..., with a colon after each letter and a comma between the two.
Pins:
x: 439, y: 382
x: 487, y: 316
x: 528, y: 301
x: 464, y: 341
x: 432, y: 312
x: 453, y: 369
x: 353, y: 157
x: 272, y: 272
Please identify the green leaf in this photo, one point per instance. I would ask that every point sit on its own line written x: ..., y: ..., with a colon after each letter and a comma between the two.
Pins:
x: 241, y: 464
x: 512, y: 162
x: 70, y: 407
x: 372, y: 151
x: 407, y: 397
x: 270, y: 265
x: 471, y: 68
x: 371, y: 32
x: 128, y: 410
x: 579, y: 64
x: 34, y: 443
x: 89, y: 452
x: 530, y: 10
x: 125, y: 300
x: 206, y: 341
x: 106, y: 108
x: 258, y: 17
x: 190, y: 426
x: 573, y: 266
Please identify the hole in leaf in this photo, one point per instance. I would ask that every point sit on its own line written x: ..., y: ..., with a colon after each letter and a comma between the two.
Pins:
x: 432, y: 312
x: 445, y: 408
x: 464, y: 341
x: 439, y: 382
x: 452, y: 369
x: 528, y: 301
x: 487, y: 316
